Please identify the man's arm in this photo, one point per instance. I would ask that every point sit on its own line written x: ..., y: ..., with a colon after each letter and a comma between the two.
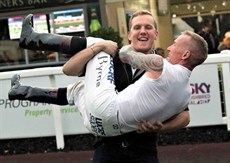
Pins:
x: 140, y: 60
x: 75, y: 66
x: 177, y: 122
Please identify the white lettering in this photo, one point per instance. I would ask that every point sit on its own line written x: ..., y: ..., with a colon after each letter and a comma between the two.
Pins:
x: 11, y: 3
x: 34, y: 2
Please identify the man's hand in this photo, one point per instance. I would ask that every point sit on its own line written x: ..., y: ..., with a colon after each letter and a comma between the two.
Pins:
x: 109, y: 47
x: 147, y: 126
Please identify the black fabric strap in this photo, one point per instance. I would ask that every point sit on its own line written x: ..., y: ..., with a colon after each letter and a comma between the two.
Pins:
x: 77, y: 44
x: 62, y: 96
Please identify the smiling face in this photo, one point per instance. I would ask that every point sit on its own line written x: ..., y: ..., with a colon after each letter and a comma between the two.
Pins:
x: 179, y: 50
x: 142, y: 33
x: 188, y: 50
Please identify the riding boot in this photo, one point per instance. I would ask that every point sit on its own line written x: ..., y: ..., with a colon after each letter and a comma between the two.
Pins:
x: 20, y: 92
x: 32, y: 40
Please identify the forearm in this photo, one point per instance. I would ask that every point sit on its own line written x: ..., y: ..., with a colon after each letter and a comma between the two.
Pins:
x: 140, y: 60
x: 146, y: 62
x: 75, y: 66
x: 179, y: 121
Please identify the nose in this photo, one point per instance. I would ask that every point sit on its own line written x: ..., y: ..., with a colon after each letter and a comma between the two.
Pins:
x: 143, y: 30
x: 169, y: 48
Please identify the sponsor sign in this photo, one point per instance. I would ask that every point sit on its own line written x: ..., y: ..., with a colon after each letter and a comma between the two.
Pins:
x: 20, y: 119
x: 205, y: 104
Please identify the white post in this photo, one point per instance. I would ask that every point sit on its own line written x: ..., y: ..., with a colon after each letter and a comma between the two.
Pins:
x: 57, y: 119
x: 226, y: 81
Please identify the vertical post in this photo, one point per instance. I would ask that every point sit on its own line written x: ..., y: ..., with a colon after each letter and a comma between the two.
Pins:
x: 57, y: 59
x: 226, y: 81
x: 26, y: 56
x: 122, y: 25
x: 57, y: 119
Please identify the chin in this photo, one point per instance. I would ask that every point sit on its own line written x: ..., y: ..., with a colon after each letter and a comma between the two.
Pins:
x: 143, y: 49
x: 146, y: 51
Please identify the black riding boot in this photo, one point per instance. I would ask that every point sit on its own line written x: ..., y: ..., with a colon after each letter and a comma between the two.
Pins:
x: 32, y: 40
x: 19, y: 92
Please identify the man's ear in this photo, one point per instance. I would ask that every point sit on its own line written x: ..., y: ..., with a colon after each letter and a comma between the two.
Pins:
x: 186, y: 54
x: 129, y: 36
x: 156, y: 35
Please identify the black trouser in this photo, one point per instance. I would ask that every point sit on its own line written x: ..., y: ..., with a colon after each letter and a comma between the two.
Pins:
x: 123, y: 152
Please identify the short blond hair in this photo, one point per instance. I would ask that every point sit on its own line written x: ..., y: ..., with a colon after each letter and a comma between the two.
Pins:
x: 138, y: 13
x: 198, y: 48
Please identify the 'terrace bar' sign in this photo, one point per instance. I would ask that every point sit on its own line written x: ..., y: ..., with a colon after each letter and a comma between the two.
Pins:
x: 17, y: 5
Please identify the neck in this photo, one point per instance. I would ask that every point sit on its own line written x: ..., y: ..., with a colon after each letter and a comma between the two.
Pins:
x: 188, y: 67
x: 206, y: 30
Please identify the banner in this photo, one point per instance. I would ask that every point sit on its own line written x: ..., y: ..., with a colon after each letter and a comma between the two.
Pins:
x: 19, y: 5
